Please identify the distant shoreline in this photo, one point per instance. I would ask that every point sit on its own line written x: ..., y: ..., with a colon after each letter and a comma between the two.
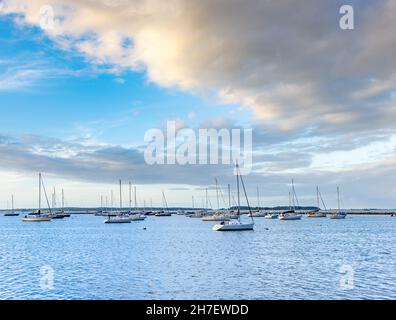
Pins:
x: 243, y: 210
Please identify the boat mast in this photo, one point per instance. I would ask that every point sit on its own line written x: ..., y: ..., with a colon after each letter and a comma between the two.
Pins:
x: 12, y: 202
x: 289, y: 200
x: 239, y: 200
x: 63, y: 200
x: 217, y: 194
x: 39, y: 193
x: 258, y: 198
x: 206, y: 197
x: 120, y: 196
x: 134, y: 188
x: 229, y: 196
x: 317, y: 196
x: 246, y: 197
x: 130, y: 196
x: 338, y: 197
x: 193, y: 204
x: 294, y: 196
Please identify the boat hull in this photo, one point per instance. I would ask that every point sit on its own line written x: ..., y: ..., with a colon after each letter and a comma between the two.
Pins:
x: 316, y: 215
x: 258, y: 215
x: 11, y: 214
x: 214, y: 218
x: 337, y: 217
x: 36, y: 219
x: 271, y: 216
x: 57, y: 216
x: 233, y: 227
x: 111, y: 221
x: 290, y: 217
x: 138, y: 218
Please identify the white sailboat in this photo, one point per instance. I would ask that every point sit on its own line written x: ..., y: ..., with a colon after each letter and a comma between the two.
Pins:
x: 258, y: 213
x: 134, y: 215
x: 63, y: 212
x: 120, y: 217
x: 272, y: 215
x: 339, y: 214
x: 230, y: 214
x: 317, y: 213
x: 11, y: 213
x: 38, y: 216
x: 237, y: 224
x: 291, y: 214
x: 218, y: 215
x: 55, y: 214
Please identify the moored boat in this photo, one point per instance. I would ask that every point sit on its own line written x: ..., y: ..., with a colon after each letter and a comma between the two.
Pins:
x: 11, y: 213
x: 339, y: 214
x: 237, y: 224
x: 120, y: 217
x: 289, y: 215
x: 271, y: 216
x: 259, y: 214
x: 216, y: 217
x: 317, y: 213
x: 38, y: 216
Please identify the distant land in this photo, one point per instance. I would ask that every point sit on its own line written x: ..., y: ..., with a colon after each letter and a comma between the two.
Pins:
x: 91, y: 210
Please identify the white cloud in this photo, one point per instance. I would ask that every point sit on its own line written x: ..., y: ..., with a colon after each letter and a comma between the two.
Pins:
x: 288, y: 61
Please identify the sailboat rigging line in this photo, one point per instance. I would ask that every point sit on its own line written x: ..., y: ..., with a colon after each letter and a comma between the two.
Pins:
x: 165, y: 202
x: 46, y: 197
x: 239, y: 200
x: 244, y: 191
x: 295, y: 194
x: 217, y: 193
x: 321, y: 199
x: 222, y: 196
x: 210, y: 203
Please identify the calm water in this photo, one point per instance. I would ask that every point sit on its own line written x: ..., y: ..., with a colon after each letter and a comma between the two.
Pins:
x: 182, y: 258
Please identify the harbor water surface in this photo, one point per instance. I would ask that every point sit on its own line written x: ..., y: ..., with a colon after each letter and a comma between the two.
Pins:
x: 182, y: 258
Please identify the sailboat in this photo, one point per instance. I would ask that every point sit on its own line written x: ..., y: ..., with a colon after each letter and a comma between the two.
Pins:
x: 237, y: 224
x: 55, y: 215
x: 63, y: 212
x: 339, y: 214
x: 230, y: 212
x: 317, y: 213
x: 271, y: 215
x: 11, y: 213
x: 120, y: 217
x: 217, y: 215
x: 164, y: 213
x: 258, y: 213
x: 291, y: 213
x: 38, y: 216
x: 134, y: 215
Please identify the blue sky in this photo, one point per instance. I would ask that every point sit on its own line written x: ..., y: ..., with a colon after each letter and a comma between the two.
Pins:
x: 77, y: 98
x: 71, y: 96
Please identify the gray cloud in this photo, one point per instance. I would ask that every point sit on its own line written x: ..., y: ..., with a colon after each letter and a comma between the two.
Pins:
x: 368, y: 185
